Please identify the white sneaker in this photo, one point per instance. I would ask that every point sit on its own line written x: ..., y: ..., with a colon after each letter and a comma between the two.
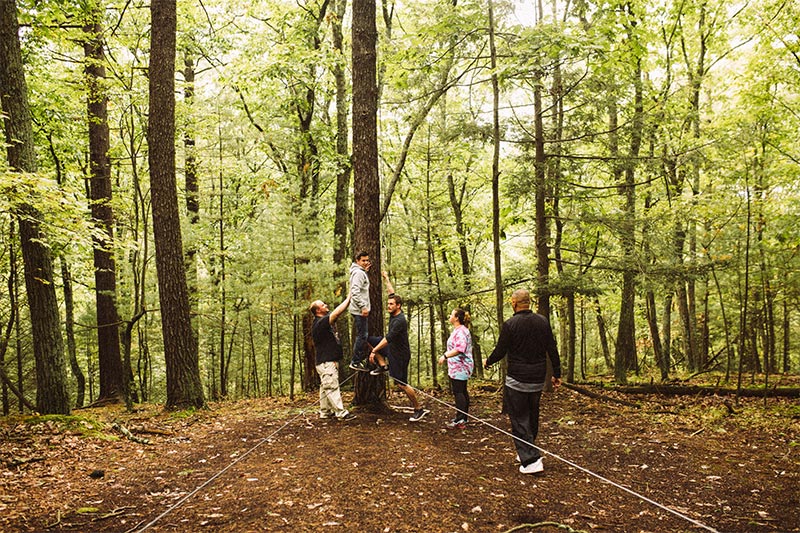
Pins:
x: 418, y: 415
x: 533, y: 468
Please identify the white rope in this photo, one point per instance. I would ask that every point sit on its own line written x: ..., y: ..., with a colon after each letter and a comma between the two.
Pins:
x: 302, y: 412
x: 570, y: 463
x: 234, y: 462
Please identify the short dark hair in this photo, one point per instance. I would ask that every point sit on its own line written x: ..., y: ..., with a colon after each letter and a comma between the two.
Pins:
x: 397, y: 299
x: 361, y: 254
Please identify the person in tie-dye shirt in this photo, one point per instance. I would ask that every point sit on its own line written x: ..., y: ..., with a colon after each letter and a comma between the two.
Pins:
x: 459, y: 365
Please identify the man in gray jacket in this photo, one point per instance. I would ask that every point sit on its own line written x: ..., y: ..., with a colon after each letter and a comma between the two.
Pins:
x: 359, y: 307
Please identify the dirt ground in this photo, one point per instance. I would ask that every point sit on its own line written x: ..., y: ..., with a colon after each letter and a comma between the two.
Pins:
x: 273, y: 465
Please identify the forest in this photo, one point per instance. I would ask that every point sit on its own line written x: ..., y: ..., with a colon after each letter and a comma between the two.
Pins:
x: 174, y: 197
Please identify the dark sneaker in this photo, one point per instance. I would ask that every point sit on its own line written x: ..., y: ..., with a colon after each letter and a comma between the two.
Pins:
x: 347, y: 416
x: 418, y: 415
x: 361, y: 366
x: 379, y: 370
x: 456, y: 424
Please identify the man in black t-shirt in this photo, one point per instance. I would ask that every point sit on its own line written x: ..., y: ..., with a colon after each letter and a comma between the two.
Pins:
x: 329, y: 353
x: 395, y: 350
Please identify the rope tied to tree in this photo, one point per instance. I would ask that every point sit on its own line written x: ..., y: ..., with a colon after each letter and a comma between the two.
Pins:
x: 450, y: 406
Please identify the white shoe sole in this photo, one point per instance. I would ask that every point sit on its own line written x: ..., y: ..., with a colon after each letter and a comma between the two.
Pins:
x: 424, y: 412
x: 533, y: 468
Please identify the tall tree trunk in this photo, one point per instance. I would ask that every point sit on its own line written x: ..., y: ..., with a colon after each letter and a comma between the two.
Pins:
x: 498, y: 271
x: 767, y: 298
x: 14, y: 298
x: 12, y: 321
x: 52, y: 395
x: 601, y: 331
x: 650, y: 299
x: 704, y: 331
x: 430, y: 272
x: 341, y: 221
x: 7, y: 383
x: 689, y: 332
x: 555, y: 178
x: 69, y: 313
x: 138, y: 262
x: 69, y: 301
x: 675, y: 181
x: 696, y: 72
x: 745, y: 291
x: 112, y: 379
x: 626, y: 357
x: 192, y: 186
x: 666, y: 330
x: 725, y: 325
x: 4, y: 341
x: 271, y: 348
x: 308, y: 168
x: 540, y: 196
x: 180, y: 345
x: 253, y: 376
x: 293, y: 369
x: 457, y: 204
x: 221, y: 279
x: 366, y: 185
x: 625, y: 332
x: 655, y: 337
x: 786, y: 324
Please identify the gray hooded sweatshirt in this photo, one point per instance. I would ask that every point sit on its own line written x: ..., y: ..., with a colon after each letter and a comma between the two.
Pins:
x: 359, y: 290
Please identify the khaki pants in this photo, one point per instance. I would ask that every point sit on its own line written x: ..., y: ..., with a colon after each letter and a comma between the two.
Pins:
x: 330, y: 398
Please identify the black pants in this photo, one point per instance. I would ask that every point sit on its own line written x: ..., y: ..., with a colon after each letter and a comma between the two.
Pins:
x: 523, y: 411
x: 459, y: 388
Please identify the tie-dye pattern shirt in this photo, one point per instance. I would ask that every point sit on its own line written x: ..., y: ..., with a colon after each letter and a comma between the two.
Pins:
x: 460, y: 366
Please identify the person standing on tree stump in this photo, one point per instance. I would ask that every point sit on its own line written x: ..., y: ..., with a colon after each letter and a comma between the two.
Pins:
x: 360, y: 307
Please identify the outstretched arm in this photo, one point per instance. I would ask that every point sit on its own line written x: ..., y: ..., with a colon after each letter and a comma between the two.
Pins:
x: 389, y: 288
x: 339, y: 309
x: 500, y: 349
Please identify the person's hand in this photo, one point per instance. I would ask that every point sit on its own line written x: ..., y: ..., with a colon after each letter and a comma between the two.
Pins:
x: 372, y: 357
x: 486, y: 367
x: 365, y: 312
x: 442, y: 359
x: 556, y: 382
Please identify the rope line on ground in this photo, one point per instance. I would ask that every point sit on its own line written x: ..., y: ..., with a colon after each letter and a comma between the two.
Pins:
x: 567, y: 461
x: 442, y: 402
x: 234, y: 462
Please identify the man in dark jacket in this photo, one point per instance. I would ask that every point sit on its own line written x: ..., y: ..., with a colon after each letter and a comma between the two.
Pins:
x: 527, y: 339
x: 328, y: 354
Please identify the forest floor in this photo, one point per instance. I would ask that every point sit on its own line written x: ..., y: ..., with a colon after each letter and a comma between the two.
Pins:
x: 272, y: 465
